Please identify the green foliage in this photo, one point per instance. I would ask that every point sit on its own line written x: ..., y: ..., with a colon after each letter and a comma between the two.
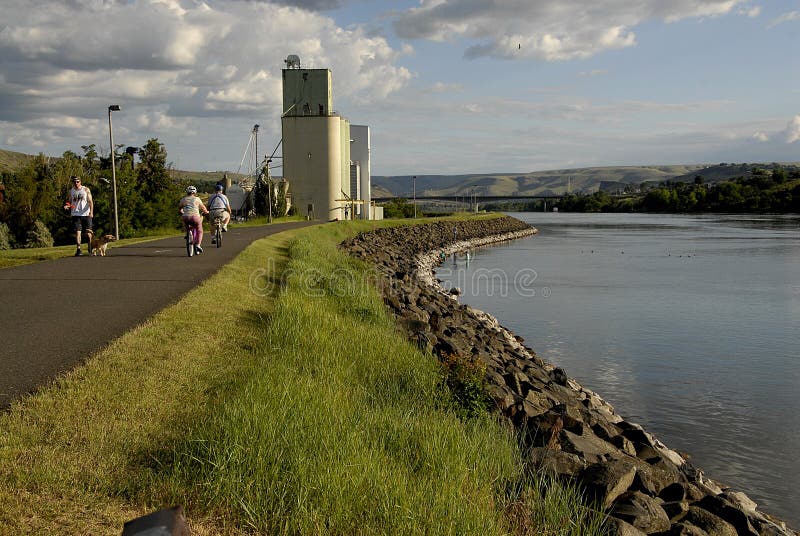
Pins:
x: 6, y: 238
x: 465, y: 378
x: 152, y: 172
x: 279, y: 199
x: 146, y: 196
x: 38, y: 236
x: 775, y: 191
x: 399, y: 208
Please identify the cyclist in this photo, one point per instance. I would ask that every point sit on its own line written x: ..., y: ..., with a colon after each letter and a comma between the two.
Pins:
x: 191, y: 208
x: 219, y: 206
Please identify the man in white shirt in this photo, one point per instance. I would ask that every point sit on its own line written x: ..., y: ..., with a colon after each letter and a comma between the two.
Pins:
x: 219, y: 207
x: 81, y: 207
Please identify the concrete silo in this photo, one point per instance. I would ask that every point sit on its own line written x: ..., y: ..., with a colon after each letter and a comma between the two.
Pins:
x: 360, y: 153
x: 316, y: 142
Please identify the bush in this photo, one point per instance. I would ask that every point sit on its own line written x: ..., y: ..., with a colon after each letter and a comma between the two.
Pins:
x: 465, y: 378
x: 39, y: 236
x: 6, y: 239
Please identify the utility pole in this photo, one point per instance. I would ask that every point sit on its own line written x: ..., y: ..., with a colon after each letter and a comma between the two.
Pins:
x: 255, y: 159
x: 113, y: 108
x: 269, y: 192
x: 414, y: 184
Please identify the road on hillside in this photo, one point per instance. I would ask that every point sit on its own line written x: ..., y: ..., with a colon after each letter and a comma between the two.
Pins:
x: 57, y: 313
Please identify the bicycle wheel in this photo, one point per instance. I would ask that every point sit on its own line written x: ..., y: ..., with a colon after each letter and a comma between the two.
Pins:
x: 189, y: 243
x: 218, y: 234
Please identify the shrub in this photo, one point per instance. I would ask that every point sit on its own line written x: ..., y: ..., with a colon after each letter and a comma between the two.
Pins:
x: 465, y: 378
x: 6, y: 239
x: 38, y: 236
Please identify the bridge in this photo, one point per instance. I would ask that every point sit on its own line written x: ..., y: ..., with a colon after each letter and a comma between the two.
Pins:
x: 470, y: 198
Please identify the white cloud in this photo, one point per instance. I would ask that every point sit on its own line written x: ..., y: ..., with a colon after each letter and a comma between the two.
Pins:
x: 760, y: 136
x: 185, y: 58
x: 441, y: 87
x: 786, y: 17
x: 751, y: 12
x: 551, y: 31
x: 792, y: 131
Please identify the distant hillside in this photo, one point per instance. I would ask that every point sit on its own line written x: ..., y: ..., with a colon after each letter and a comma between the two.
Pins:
x: 555, y: 182
x: 11, y: 161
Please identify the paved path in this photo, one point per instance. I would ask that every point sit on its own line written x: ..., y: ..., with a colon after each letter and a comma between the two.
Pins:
x: 42, y: 331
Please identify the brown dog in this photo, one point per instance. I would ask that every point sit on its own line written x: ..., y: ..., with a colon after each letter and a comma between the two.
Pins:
x: 100, y: 244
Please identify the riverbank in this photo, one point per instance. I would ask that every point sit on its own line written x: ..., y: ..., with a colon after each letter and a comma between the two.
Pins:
x: 645, y: 486
x: 298, y: 408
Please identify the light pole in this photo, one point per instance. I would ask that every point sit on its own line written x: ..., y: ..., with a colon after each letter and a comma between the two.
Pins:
x: 269, y: 192
x: 414, y: 185
x: 113, y: 108
x: 255, y: 159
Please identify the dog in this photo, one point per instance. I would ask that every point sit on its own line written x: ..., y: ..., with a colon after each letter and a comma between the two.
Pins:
x: 98, y: 245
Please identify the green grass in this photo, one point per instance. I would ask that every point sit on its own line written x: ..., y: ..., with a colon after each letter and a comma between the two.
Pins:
x: 278, y: 397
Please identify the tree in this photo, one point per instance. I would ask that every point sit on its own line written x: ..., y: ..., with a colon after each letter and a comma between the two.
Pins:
x: 153, y: 173
x: 398, y: 208
x: 279, y: 198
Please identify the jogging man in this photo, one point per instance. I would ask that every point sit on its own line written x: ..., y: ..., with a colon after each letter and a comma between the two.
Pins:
x: 81, y: 207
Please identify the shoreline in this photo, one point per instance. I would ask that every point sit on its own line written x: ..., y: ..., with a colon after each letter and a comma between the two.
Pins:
x: 645, y: 487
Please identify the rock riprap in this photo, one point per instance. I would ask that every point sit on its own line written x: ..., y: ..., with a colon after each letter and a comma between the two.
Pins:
x: 645, y: 487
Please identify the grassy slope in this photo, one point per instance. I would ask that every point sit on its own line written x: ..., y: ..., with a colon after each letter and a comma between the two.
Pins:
x: 294, y: 411
x: 11, y: 161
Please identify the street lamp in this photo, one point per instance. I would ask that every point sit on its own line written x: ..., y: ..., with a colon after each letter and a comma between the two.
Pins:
x: 269, y: 192
x: 113, y: 108
x: 414, y: 184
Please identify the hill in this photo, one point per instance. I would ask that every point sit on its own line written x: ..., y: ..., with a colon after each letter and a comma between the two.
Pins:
x: 556, y: 182
x: 11, y: 161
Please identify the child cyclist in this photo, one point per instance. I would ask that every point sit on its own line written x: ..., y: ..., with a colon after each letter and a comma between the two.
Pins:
x: 192, y: 210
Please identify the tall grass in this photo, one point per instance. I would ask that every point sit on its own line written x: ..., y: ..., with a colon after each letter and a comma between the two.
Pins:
x: 278, y: 398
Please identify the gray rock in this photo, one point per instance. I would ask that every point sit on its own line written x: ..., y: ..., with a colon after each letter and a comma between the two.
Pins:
x: 707, y: 521
x: 605, y: 482
x: 556, y: 461
x: 673, y: 492
x: 726, y: 511
x: 641, y: 511
x: 674, y: 509
x: 617, y: 527
x: 588, y: 446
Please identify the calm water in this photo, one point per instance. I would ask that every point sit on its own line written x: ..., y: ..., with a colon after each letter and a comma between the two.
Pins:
x: 688, y: 325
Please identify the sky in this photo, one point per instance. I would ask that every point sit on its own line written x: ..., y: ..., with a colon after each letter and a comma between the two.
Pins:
x: 446, y: 86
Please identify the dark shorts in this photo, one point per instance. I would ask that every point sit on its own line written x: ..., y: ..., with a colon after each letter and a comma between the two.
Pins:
x: 81, y: 223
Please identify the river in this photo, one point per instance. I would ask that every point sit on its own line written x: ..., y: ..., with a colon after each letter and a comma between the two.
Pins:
x: 688, y: 325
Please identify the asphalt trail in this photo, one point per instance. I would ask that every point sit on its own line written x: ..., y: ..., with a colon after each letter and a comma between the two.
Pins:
x: 57, y: 313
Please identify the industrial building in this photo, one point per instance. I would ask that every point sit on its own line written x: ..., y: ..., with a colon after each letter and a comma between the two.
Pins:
x: 325, y: 159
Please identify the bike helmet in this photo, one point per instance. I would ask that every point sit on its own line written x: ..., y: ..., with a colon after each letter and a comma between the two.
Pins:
x: 191, y: 190
x: 220, y: 187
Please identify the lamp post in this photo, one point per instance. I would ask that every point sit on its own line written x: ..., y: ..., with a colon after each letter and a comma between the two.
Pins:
x: 113, y: 108
x: 255, y: 153
x: 269, y: 192
x: 414, y: 187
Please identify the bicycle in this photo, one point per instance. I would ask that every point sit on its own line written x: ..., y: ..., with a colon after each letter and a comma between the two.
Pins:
x: 191, y: 248
x: 217, y: 226
x: 189, y: 242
